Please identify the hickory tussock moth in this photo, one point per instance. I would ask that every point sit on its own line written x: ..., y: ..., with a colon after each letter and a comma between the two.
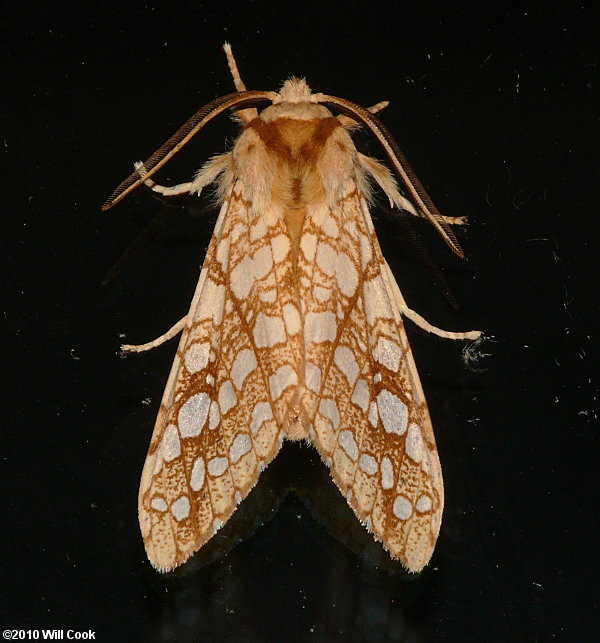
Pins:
x: 295, y: 331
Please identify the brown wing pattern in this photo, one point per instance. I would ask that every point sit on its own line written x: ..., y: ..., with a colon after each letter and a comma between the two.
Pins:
x: 221, y: 415
x: 371, y: 422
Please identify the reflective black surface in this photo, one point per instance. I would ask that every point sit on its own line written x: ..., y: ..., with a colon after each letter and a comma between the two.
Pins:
x: 497, y: 110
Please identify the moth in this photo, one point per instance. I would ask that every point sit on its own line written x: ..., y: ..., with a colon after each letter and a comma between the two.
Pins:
x: 295, y: 330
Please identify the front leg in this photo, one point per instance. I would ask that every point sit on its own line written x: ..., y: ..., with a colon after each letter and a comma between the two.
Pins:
x: 175, y: 190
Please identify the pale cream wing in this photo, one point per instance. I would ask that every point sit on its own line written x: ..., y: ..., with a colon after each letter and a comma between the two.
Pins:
x: 371, y: 423
x: 220, y: 418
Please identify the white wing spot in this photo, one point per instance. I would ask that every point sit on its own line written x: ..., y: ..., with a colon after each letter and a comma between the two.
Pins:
x: 414, y: 443
x: 210, y: 380
x: 346, y: 362
x: 237, y: 231
x: 241, y: 445
x: 368, y: 464
x: 402, y: 508
x: 223, y: 253
x: 388, y: 354
x: 217, y: 524
x: 308, y: 243
x: 326, y: 258
x: 348, y: 443
x: 426, y: 463
x: 312, y: 377
x: 258, y: 230
x: 181, y: 508
x: 360, y: 396
x: 376, y: 305
x: 268, y: 331
x: 393, y: 412
x: 197, y: 477
x: 423, y: 504
x: 171, y: 447
x: 268, y: 296
x: 214, y: 416
x: 292, y: 319
x: 217, y: 303
x: 192, y: 415
x: 322, y: 294
x: 320, y: 327
x: 217, y: 466
x: 283, y: 377
x: 262, y: 262
x: 211, y: 302
x: 158, y: 461
x: 243, y: 365
x: 159, y: 504
x: 281, y: 246
x: 346, y: 275
x: 196, y: 357
x: 328, y: 408
x: 330, y: 227
x: 260, y: 414
x: 242, y: 278
x: 373, y: 414
x: 227, y: 397
x: 365, y: 250
x: 387, y: 473
x: 351, y: 230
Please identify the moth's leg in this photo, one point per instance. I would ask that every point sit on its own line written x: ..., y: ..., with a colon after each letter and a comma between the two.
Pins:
x: 382, y: 104
x: 246, y: 115
x: 386, y: 182
x: 350, y: 123
x: 175, y: 190
x: 210, y: 171
x: 206, y: 175
x: 455, y: 220
x: 138, y: 348
x: 382, y: 176
x: 425, y: 325
x: 421, y: 322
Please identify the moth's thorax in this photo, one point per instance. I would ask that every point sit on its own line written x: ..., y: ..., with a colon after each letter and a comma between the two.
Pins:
x: 301, y: 111
x: 292, y: 155
x: 295, y: 145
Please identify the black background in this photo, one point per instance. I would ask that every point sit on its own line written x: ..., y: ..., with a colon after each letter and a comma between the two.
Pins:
x: 497, y: 109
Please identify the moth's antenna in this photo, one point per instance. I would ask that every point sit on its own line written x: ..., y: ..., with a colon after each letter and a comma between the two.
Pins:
x: 246, y: 115
x: 402, y: 166
x: 183, y: 135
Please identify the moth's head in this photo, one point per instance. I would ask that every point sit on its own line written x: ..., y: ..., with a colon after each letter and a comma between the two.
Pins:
x: 295, y: 90
x: 295, y: 100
